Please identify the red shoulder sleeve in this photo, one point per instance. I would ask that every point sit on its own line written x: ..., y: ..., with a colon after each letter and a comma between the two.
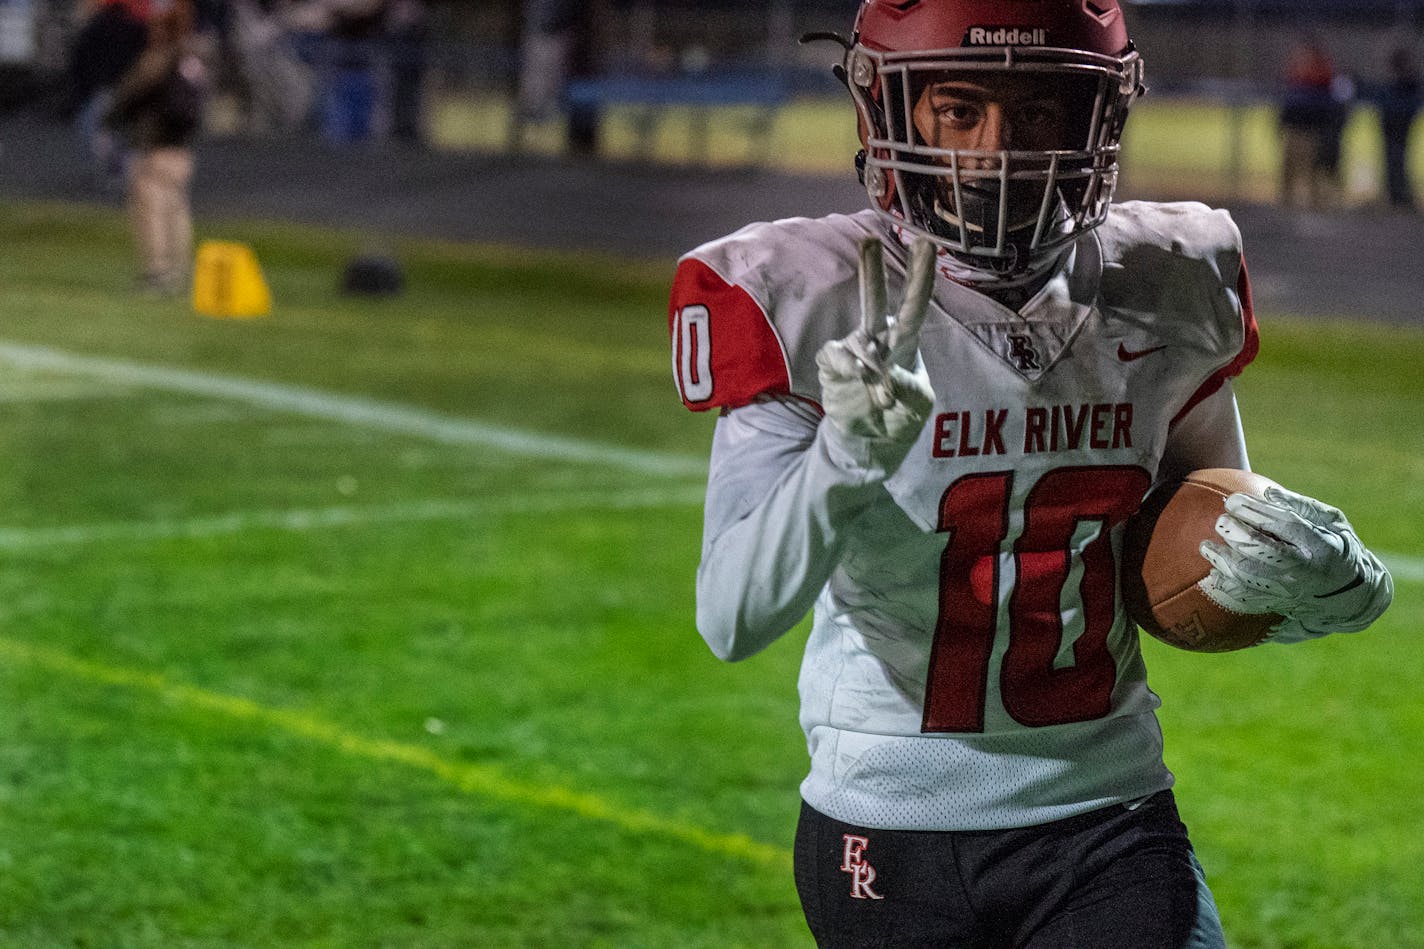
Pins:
x: 725, y: 352
x: 1250, y: 345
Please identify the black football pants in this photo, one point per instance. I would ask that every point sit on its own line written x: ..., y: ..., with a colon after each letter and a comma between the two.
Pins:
x: 1117, y: 878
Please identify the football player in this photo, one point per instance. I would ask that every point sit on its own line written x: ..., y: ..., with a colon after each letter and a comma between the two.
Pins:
x: 935, y: 416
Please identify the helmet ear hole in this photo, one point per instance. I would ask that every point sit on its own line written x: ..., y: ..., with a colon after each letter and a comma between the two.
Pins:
x: 877, y: 183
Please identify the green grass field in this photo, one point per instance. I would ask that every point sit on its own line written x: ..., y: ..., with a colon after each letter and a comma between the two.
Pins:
x: 370, y: 624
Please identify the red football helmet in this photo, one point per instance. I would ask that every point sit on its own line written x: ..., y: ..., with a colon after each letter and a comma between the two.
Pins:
x: 1002, y: 213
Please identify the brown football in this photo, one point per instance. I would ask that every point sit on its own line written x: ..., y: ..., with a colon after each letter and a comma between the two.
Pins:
x: 1162, y: 564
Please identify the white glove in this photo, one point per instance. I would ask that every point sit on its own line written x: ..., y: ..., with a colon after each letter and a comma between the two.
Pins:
x: 1295, y: 556
x: 874, y: 388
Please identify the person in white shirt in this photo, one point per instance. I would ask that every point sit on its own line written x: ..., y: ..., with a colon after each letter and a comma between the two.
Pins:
x: 946, y: 487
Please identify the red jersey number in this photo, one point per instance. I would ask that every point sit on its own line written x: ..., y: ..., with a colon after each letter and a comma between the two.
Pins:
x: 1064, y: 562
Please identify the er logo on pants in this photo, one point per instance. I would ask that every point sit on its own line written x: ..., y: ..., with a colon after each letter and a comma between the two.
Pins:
x: 862, y: 874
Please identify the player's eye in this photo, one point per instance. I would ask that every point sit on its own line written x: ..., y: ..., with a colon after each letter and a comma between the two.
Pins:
x: 1037, y: 116
x: 958, y: 114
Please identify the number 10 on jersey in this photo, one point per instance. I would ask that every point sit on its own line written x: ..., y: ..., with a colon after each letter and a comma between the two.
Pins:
x: 1064, y: 566
x: 692, y: 353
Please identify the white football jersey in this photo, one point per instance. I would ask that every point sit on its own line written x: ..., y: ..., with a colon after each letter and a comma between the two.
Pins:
x: 970, y: 664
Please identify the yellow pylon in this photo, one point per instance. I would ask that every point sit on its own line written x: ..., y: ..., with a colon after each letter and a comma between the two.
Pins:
x: 228, y: 281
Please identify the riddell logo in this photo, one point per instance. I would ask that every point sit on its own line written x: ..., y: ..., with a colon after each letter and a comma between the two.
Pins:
x: 1005, y: 36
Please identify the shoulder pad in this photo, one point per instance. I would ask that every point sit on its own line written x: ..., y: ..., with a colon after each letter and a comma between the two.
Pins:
x: 1180, y: 264
x: 1179, y: 242
x: 748, y: 312
x: 725, y: 352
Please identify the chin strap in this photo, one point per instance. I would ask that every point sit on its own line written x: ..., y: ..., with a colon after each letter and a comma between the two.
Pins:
x: 974, y: 275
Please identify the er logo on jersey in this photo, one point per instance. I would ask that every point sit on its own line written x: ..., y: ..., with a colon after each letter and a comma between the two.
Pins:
x: 1023, y: 355
x: 862, y: 874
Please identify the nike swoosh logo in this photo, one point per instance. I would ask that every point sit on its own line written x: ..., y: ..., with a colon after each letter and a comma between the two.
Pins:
x: 1127, y: 355
x: 1359, y: 579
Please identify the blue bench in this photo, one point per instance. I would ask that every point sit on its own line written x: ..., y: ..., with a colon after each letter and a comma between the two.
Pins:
x: 652, y: 96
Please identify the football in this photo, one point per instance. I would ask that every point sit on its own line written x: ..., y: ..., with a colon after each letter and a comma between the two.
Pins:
x: 1163, y: 567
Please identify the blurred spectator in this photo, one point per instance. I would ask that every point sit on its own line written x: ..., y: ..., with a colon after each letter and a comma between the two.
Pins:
x: 349, y: 103
x: 558, y: 45
x: 407, y: 30
x: 1332, y: 132
x: 366, y: 60
x: 338, y: 38
x: 543, y: 62
x: 1399, y: 103
x: 104, y: 48
x: 1308, y: 115
x: 275, y: 84
x: 22, y: 79
x: 158, y: 106
x: 583, y: 120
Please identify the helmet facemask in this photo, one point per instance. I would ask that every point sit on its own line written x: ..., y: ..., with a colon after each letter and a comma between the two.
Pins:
x: 1003, y: 214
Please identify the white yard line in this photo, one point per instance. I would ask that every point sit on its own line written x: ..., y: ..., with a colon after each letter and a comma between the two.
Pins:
x: 350, y: 410
x: 23, y: 538
x: 1404, y: 568
x: 366, y: 413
